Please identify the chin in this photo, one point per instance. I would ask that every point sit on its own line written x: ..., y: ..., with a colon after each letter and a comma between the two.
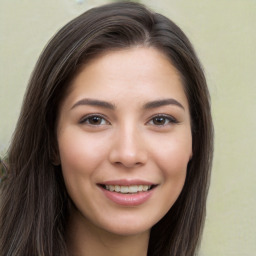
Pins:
x: 128, y: 230
x: 128, y: 226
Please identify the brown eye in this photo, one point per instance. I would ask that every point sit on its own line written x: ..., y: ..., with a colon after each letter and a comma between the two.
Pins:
x: 162, y: 120
x: 159, y: 120
x: 94, y: 120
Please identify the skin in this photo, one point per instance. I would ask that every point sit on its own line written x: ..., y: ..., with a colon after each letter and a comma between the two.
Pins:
x: 126, y: 141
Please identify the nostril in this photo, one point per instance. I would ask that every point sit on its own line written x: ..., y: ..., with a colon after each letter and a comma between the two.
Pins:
x: 128, y: 164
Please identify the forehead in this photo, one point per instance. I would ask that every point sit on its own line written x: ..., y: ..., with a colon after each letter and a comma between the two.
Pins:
x: 140, y: 72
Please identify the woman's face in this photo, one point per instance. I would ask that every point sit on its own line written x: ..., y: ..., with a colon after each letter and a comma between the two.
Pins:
x: 124, y: 140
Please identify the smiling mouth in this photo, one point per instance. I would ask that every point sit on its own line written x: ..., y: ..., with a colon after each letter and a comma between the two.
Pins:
x: 132, y: 189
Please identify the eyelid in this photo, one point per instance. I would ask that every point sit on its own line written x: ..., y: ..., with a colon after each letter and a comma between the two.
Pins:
x: 86, y: 117
x: 172, y: 120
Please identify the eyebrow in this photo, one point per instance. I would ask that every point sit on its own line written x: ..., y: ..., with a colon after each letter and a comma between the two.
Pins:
x: 148, y: 105
x: 164, y: 102
x: 94, y: 102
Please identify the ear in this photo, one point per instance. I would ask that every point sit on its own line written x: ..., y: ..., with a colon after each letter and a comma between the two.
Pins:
x: 55, y: 161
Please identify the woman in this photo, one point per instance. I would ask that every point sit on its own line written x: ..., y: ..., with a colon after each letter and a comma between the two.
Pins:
x: 113, y: 148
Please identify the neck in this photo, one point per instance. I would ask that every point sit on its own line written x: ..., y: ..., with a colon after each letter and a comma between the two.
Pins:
x: 85, y: 239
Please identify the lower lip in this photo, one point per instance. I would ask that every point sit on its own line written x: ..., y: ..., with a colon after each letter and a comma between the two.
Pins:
x: 128, y: 199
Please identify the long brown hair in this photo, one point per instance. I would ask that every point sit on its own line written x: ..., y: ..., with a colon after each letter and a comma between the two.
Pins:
x: 33, y: 210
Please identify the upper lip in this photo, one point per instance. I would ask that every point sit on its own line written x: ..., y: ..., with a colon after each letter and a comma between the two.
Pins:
x: 127, y: 182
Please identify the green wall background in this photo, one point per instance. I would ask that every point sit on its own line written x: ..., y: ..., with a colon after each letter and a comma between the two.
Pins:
x: 224, y: 35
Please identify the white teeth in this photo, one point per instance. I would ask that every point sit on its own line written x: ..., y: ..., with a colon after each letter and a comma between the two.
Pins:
x: 140, y: 187
x: 145, y: 188
x: 124, y: 189
x: 117, y: 188
x: 127, y: 189
x: 133, y: 189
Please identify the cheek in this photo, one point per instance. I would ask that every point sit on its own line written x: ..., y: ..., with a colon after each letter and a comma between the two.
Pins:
x: 80, y: 153
x: 80, y: 157
x: 174, y: 155
x: 172, y: 159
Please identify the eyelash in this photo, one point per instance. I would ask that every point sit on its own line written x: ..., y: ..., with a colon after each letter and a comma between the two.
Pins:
x: 167, y: 120
x: 86, y: 120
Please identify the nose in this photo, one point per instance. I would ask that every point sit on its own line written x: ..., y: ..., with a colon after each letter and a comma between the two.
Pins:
x: 128, y: 148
